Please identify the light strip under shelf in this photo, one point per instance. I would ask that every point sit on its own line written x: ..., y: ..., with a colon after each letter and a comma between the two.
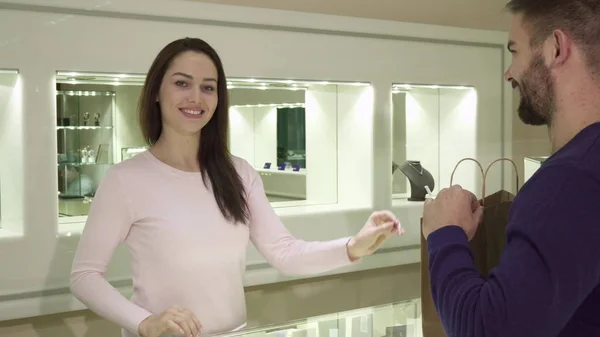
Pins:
x: 262, y: 87
x: 138, y: 79
x: 404, y: 87
x: 9, y: 71
x: 85, y: 93
x: 274, y: 105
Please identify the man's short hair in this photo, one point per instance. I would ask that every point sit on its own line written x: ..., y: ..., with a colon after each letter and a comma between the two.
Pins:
x: 580, y: 19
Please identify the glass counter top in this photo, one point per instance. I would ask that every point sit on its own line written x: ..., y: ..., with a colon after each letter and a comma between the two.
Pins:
x: 401, y: 319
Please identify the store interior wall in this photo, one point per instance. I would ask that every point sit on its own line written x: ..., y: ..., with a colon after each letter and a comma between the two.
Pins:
x: 476, y: 14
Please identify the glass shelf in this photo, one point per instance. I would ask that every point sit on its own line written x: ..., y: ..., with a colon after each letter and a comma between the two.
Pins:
x: 85, y: 150
x: 62, y: 127
x: 82, y: 164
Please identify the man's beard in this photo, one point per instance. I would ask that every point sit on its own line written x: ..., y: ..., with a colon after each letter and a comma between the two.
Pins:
x: 537, y: 104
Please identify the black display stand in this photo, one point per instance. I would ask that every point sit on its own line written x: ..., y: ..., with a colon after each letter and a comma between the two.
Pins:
x: 418, y: 177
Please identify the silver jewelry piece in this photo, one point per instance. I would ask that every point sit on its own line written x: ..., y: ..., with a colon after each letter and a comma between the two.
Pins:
x: 414, y: 168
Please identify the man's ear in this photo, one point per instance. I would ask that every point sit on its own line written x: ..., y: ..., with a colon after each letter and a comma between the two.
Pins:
x: 559, y: 48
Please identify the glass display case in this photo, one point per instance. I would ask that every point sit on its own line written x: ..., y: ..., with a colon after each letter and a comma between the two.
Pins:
x: 97, y: 127
x: 401, y: 319
x: 434, y: 127
x: 289, y: 130
x: 85, y: 142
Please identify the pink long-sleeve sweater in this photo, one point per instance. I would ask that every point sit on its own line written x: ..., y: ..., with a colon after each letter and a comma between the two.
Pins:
x: 183, y: 251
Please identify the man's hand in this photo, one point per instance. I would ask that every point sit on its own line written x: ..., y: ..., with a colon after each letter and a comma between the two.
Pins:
x: 452, y: 207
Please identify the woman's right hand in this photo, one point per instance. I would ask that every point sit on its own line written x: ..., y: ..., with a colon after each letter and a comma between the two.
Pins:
x: 173, y: 320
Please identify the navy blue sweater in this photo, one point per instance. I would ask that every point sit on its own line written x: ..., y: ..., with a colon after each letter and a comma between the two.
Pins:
x: 548, y: 281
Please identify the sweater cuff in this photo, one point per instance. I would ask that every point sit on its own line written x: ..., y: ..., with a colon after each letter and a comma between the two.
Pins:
x: 137, y: 319
x: 446, y: 235
x: 345, y: 258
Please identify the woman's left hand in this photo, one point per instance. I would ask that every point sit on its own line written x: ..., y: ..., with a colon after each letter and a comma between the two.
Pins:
x: 380, y: 226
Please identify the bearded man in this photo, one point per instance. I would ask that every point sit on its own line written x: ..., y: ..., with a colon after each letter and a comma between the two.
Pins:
x: 548, y: 281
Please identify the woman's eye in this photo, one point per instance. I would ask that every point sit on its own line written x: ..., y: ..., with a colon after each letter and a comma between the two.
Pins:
x: 209, y: 88
x: 180, y: 84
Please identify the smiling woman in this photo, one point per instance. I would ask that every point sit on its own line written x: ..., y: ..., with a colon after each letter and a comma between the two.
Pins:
x: 167, y: 114
x: 186, y: 208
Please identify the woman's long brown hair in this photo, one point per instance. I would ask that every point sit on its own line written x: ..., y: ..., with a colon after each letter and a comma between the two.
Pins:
x: 216, y: 165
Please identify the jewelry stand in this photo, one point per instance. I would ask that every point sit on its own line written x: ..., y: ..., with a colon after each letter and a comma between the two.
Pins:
x: 418, y: 177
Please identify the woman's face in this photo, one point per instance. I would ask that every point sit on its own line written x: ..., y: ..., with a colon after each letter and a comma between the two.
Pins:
x: 188, y: 93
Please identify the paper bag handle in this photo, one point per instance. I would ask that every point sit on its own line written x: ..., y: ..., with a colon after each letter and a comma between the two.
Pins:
x: 484, y: 173
x: 494, y: 162
x: 480, y: 169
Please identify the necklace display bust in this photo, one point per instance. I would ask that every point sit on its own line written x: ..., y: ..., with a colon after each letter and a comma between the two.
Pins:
x: 418, y: 177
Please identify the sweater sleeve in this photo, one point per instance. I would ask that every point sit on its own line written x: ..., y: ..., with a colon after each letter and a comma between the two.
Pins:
x: 287, y: 254
x: 549, y: 266
x: 108, y: 224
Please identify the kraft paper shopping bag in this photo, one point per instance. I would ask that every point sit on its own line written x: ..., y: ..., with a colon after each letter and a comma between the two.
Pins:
x: 487, y: 245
